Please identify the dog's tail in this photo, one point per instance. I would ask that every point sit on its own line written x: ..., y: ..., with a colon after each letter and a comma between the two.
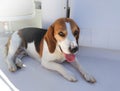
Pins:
x: 5, y: 50
x: 6, y: 47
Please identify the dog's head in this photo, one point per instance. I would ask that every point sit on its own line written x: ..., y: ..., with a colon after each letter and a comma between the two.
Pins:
x: 65, y: 33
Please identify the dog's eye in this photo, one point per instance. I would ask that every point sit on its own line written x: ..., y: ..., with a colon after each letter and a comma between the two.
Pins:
x: 76, y: 33
x: 61, y: 34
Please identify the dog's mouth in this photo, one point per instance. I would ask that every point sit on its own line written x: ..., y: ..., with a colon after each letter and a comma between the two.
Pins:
x: 68, y: 57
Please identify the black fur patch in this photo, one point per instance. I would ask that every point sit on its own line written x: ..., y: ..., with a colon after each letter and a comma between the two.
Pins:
x: 32, y: 34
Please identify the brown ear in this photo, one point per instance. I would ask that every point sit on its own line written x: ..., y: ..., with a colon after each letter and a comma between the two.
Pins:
x: 77, y: 38
x: 51, y: 41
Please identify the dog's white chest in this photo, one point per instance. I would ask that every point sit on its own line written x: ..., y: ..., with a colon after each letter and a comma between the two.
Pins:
x: 57, y: 56
x: 32, y: 51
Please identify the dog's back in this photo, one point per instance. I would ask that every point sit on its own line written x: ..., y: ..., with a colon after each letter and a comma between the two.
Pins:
x: 33, y: 34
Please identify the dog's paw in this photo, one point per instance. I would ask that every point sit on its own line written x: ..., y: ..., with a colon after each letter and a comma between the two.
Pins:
x: 18, y: 62
x: 89, y: 78
x: 12, y: 68
x: 70, y: 78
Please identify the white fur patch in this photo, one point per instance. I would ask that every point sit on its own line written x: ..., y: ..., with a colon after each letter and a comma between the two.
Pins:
x: 57, y: 56
x: 70, y: 36
x: 69, y: 41
x: 32, y: 51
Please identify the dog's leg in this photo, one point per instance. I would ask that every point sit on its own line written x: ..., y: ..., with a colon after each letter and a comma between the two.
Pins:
x: 15, y: 43
x: 85, y: 75
x: 21, y: 53
x: 60, y: 69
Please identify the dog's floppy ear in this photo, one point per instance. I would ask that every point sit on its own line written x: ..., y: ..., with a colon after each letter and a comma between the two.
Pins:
x: 51, y: 41
x: 77, y: 38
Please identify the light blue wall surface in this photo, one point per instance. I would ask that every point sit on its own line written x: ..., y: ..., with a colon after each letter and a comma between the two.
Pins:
x: 99, y: 21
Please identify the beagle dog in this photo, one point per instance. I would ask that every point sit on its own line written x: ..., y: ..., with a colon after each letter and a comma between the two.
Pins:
x: 51, y: 47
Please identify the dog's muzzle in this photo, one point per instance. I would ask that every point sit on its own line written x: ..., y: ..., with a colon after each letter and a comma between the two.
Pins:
x: 70, y: 57
x: 73, y: 50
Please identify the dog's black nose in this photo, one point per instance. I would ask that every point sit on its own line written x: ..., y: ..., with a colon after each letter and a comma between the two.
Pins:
x: 73, y: 50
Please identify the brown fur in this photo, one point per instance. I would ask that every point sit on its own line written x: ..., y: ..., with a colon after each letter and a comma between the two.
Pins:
x: 7, y: 46
x: 51, y: 41
x: 41, y: 48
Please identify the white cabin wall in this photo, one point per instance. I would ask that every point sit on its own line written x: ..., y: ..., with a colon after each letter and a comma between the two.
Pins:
x: 51, y: 10
x: 99, y: 22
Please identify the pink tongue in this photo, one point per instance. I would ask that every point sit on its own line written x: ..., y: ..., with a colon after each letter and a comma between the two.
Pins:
x: 70, y: 57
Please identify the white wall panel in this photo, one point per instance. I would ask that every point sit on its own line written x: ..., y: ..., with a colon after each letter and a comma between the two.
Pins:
x: 101, y: 18
x: 51, y: 10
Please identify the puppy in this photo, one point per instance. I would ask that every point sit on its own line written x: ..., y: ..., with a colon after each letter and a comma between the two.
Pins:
x: 51, y: 47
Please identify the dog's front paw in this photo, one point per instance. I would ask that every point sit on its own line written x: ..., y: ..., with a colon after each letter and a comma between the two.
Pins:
x: 70, y: 78
x: 89, y: 78
x: 18, y: 62
x: 12, y: 68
